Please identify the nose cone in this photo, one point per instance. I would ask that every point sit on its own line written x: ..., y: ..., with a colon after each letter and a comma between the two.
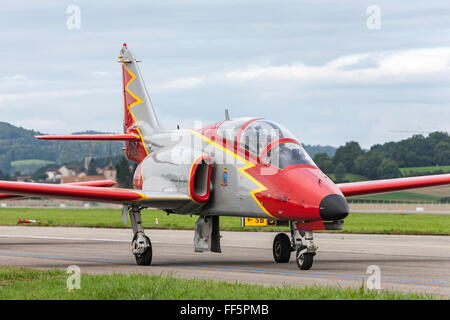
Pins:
x: 333, y: 207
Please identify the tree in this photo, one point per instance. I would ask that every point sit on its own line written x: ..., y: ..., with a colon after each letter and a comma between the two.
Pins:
x: 39, y: 175
x: 442, y: 153
x: 92, y: 168
x: 5, y: 164
x: 324, y: 162
x: 386, y: 149
x: 414, y: 152
x: 124, y: 175
x: 347, y: 155
x: 4, y: 176
x: 388, y: 169
x: 339, y: 173
x: 435, y: 137
x: 367, y: 164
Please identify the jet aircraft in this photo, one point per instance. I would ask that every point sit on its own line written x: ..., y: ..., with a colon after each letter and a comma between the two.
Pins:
x: 244, y: 167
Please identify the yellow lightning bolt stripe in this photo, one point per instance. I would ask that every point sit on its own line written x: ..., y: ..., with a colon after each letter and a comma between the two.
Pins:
x: 242, y: 170
x: 138, y: 101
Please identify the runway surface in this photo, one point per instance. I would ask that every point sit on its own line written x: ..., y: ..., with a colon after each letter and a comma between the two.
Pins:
x: 408, y: 263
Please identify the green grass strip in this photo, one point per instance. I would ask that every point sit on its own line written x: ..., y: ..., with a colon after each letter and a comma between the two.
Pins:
x: 381, y: 223
x: 26, y: 284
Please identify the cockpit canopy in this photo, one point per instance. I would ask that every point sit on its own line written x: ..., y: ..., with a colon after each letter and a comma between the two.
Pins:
x: 268, y: 140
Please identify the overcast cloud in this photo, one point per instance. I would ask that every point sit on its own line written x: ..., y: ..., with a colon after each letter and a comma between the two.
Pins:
x: 313, y: 66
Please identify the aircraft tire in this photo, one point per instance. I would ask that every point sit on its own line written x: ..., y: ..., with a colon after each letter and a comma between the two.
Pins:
x: 145, y: 259
x: 281, y: 248
x: 304, y: 260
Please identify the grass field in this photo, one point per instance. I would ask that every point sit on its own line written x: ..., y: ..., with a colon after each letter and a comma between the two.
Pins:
x: 437, y: 191
x: 354, y: 223
x: 30, y: 162
x: 350, y: 177
x: 414, y: 170
x: 400, y: 196
x: 23, y: 283
x: 28, y: 166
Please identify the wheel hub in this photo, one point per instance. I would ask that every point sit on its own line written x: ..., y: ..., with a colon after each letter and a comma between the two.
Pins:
x: 139, y: 245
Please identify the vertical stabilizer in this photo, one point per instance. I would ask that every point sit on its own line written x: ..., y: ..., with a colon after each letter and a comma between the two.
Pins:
x: 139, y: 116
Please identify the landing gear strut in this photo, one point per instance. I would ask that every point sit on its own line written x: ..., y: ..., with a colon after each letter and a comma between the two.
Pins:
x: 301, y: 242
x: 141, y: 245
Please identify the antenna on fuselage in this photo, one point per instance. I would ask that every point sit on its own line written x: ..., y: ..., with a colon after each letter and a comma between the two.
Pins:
x: 227, y: 115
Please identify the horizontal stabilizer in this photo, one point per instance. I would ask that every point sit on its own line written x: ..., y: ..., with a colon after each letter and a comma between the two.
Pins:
x: 390, y: 185
x: 104, y: 137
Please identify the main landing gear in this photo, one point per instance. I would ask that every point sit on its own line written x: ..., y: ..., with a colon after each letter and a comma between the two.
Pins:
x: 301, y: 242
x: 141, y: 244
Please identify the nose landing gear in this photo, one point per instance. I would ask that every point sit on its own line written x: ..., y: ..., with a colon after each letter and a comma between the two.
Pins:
x: 302, y: 242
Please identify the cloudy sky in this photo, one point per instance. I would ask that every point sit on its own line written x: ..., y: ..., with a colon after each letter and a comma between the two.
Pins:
x: 314, y: 66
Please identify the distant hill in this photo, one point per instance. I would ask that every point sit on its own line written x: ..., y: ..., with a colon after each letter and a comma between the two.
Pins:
x: 313, y: 150
x: 20, y: 144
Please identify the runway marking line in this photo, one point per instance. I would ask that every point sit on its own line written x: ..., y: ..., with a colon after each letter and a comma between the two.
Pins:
x: 67, y: 238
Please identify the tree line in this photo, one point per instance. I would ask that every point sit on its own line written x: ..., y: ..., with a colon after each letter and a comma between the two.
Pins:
x: 382, y: 161
x: 20, y: 144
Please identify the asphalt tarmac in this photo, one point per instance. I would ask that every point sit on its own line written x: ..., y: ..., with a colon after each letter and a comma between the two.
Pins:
x: 407, y: 263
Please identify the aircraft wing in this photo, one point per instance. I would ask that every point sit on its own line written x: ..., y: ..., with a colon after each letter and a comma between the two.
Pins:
x: 97, y: 183
x: 389, y: 185
x: 165, y: 200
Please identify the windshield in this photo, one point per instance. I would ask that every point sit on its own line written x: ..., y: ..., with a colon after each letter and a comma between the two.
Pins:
x: 287, y: 154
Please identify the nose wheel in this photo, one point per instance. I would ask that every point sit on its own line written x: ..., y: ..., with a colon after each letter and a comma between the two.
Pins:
x: 304, y: 258
x: 302, y: 242
x: 306, y: 250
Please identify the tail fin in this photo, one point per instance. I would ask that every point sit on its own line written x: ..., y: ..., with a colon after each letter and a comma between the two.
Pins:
x: 140, y: 117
